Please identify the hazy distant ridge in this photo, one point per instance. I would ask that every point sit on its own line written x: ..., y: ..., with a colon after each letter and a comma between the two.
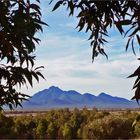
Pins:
x: 55, y: 97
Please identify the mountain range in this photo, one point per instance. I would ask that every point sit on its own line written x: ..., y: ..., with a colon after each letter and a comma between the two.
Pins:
x: 54, y: 97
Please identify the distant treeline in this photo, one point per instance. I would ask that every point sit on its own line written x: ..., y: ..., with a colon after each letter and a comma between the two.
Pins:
x: 71, y: 124
x: 36, y: 110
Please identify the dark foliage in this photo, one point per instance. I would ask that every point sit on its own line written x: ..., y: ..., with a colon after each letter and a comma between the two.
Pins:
x: 19, y: 22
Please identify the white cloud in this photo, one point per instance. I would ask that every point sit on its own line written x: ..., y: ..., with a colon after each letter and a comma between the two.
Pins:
x: 72, y: 73
x: 67, y: 59
x: 55, y: 46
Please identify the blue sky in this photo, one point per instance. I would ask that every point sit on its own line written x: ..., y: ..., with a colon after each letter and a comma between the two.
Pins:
x: 66, y: 55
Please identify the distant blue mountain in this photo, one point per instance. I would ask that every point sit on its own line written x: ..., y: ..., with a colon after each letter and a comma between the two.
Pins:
x: 54, y: 97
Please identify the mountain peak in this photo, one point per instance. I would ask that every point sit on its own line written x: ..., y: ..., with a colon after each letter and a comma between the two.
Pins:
x: 88, y: 94
x: 54, y: 97
x: 54, y: 88
x: 103, y: 95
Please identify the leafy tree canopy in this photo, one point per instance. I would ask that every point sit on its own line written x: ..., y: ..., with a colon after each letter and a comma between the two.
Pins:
x: 19, y: 22
x: 98, y: 17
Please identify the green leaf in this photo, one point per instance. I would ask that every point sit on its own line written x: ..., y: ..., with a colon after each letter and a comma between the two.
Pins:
x: 29, y: 45
x: 119, y: 27
x: 133, y: 46
x: 38, y: 73
x: 35, y: 76
x: 137, y: 95
x: 134, y: 32
x: 41, y: 67
x: 36, y: 8
x: 71, y: 6
x: 125, y: 22
x: 57, y: 5
x: 128, y: 43
x: 136, y: 73
x: 50, y: 2
x: 38, y: 1
x: 136, y: 82
x: 28, y: 77
x: 138, y: 39
x: 40, y: 22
